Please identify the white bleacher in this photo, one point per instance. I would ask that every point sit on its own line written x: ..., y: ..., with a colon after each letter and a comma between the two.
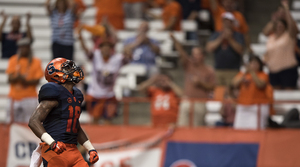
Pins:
x: 287, y: 95
x: 296, y: 5
x: 295, y: 15
x: 262, y: 38
x: 259, y: 49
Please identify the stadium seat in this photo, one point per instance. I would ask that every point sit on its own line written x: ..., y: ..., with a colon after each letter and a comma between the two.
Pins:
x: 213, y: 106
x: 123, y: 34
x: 4, y: 89
x: 137, y: 69
x: 287, y: 95
x: 3, y: 78
x: 295, y: 15
x: 189, y: 25
x: 262, y: 38
x: 296, y: 5
x: 3, y: 64
x: 132, y: 24
x: 259, y: 49
x: 20, y: 10
x: 156, y: 25
x: 3, y: 102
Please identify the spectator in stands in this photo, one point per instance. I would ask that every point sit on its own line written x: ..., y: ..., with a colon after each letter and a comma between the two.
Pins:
x: 113, y: 10
x: 190, y: 9
x: 199, y: 83
x: 134, y: 9
x: 280, y: 55
x: 164, y: 95
x: 228, y: 108
x: 101, y: 101
x: 228, y: 47
x: 171, y: 16
x: 253, y: 96
x: 24, y: 72
x: 63, y: 16
x: 240, y: 25
x: 9, y: 40
x: 143, y: 48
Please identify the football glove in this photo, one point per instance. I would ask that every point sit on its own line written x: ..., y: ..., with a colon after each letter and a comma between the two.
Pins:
x: 93, y: 156
x: 58, y: 147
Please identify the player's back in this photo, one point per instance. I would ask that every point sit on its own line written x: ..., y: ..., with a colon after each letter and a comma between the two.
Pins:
x: 63, y: 121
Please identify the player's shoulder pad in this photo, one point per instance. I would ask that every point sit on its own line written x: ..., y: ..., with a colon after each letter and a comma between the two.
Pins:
x: 49, y: 91
x: 78, y: 93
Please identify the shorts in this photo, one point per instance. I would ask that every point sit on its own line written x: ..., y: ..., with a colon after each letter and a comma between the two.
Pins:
x: 104, y: 107
x: 285, y: 79
x: 22, y: 109
x: 70, y: 157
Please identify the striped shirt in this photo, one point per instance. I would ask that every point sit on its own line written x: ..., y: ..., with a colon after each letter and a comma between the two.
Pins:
x: 62, y: 27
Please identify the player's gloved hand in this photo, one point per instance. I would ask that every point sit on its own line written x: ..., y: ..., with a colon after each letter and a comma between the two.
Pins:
x: 93, y: 156
x: 58, y: 147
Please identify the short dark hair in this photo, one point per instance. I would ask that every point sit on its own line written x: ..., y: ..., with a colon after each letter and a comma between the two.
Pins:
x: 260, y: 62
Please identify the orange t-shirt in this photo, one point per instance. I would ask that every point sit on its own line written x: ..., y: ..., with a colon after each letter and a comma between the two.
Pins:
x: 105, y: 7
x: 164, y: 107
x: 241, y: 25
x: 249, y: 93
x: 113, y: 10
x: 31, y: 71
x: 172, y: 9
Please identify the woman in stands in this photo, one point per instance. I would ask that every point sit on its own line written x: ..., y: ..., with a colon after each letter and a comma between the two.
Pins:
x: 63, y: 15
x: 280, y: 57
x: 253, y: 101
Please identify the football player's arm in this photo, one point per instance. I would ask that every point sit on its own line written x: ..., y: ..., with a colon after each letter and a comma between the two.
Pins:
x: 85, y: 142
x: 178, y: 91
x: 35, y: 124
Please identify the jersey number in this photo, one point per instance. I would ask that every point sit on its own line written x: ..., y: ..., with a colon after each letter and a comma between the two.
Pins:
x: 73, y: 117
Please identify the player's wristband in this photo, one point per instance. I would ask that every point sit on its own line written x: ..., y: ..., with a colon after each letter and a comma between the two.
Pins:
x: 47, y: 138
x: 88, y: 145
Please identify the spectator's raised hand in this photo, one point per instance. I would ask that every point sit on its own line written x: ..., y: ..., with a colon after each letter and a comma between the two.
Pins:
x: 285, y: 4
x: 28, y: 17
x: 3, y: 14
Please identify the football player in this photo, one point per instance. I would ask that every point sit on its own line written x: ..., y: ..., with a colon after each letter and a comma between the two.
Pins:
x: 56, y: 119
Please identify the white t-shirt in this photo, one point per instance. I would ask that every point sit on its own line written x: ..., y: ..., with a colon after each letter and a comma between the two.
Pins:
x: 104, y: 75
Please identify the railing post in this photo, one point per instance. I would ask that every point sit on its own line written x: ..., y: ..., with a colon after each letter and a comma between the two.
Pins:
x: 126, y: 112
x: 258, y: 117
x: 191, y: 113
x: 11, y: 111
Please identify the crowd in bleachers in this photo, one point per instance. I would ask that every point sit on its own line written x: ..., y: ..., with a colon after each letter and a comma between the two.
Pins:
x: 244, y: 87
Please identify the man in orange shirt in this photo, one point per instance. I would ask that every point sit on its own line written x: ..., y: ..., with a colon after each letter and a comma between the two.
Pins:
x: 172, y: 15
x: 241, y: 25
x: 24, y: 73
x: 134, y: 9
x: 164, y: 95
x: 253, y: 99
x: 113, y: 10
